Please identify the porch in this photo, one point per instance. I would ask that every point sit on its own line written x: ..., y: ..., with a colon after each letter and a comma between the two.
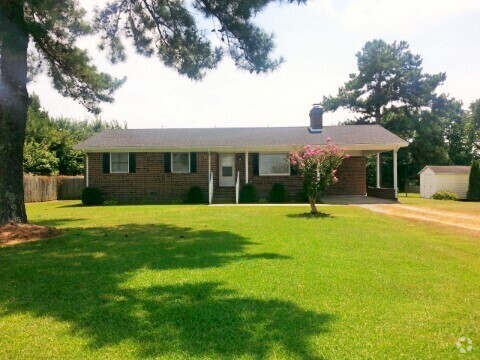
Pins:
x: 228, y: 172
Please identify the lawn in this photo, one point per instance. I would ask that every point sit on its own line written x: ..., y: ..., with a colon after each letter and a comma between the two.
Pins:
x: 237, y: 282
x: 464, y: 207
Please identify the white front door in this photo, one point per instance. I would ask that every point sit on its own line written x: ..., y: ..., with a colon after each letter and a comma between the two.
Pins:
x: 227, y: 169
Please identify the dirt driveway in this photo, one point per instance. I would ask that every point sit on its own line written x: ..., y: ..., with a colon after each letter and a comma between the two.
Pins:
x: 463, y: 221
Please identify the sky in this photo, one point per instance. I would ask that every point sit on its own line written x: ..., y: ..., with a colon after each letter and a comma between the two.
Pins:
x: 318, y: 40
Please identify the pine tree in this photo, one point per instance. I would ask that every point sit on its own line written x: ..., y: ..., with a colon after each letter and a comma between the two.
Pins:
x: 388, y: 87
x: 168, y: 29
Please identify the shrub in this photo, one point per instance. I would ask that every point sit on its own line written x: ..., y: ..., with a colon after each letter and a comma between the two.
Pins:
x: 248, y: 194
x: 195, y: 195
x: 473, y: 192
x: 92, y: 196
x: 445, y: 195
x: 277, y: 193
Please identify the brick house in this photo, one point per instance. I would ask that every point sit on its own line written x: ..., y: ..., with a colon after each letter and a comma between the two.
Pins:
x: 160, y: 165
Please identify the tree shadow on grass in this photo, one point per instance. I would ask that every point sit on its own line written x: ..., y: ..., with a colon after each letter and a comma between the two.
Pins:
x: 81, y: 277
x: 59, y: 222
x: 309, y: 215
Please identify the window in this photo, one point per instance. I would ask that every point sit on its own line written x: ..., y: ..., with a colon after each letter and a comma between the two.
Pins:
x: 119, y: 162
x: 274, y: 164
x: 181, y: 162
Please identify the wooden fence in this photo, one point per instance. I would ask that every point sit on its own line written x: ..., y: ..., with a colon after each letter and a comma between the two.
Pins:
x: 412, y: 189
x: 48, y: 188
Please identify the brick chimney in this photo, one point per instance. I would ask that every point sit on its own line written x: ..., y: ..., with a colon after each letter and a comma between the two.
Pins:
x: 316, y: 119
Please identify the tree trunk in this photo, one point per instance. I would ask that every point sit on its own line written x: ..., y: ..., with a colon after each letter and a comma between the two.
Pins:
x: 13, y: 109
x: 313, y: 206
x: 378, y: 115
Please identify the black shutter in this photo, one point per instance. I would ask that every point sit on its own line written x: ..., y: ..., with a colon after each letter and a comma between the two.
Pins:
x: 132, y: 163
x: 293, y: 170
x: 106, y: 163
x: 255, y: 161
x: 193, y: 162
x: 167, y: 163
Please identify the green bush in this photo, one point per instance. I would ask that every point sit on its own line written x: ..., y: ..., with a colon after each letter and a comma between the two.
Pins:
x: 249, y: 194
x: 195, y: 195
x: 445, y: 195
x: 92, y: 196
x: 473, y: 192
x: 277, y: 193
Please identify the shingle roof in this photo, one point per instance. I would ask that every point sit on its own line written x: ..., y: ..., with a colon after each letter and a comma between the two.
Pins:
x: 238, y: 137
x: 448, y: 169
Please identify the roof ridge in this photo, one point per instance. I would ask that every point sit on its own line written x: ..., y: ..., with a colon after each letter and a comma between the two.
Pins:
x: 249, y: 127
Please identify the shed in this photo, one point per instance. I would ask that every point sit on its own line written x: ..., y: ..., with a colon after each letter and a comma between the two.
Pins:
x: 450, y: 178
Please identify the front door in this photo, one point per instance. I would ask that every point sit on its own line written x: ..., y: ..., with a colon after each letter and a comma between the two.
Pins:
x: 227, y: 170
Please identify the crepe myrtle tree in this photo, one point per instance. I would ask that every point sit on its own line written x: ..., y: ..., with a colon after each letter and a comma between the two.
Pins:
x: 318, y: 166
x: 41, y: 35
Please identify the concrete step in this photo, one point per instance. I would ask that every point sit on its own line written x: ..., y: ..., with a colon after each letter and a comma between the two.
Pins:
x: 224, y: 196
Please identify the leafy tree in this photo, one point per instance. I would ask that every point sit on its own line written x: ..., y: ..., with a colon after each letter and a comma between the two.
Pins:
x: 473, y: 192
x: 440, y: 134
x: 49, y: 142
x: 428, y: 146
x: 473, y: 128
x: 459, y: 146
x: 168, y: 29
x: 317, y: 165
x: 37, y: 159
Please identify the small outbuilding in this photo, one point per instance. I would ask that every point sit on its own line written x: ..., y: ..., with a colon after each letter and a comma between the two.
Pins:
x: 450, y: 178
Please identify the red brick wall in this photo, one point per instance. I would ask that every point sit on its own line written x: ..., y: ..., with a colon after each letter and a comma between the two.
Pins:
x: 150, y: 183
x: 352, y: 177
x: 351, y: 180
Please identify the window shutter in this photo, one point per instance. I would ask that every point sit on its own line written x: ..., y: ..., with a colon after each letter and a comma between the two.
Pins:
x: 167, y: 163
x: 193, y: 162
x: 255, y: 161
x: 293, y: 170
x: 106, y: 163
x: 132, y: 163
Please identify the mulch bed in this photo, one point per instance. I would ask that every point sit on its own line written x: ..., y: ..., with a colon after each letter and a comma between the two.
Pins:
x: 15, y: 233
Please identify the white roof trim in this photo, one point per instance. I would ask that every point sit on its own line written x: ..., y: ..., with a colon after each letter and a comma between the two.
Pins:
x: 442, y: 173
x: 356, y: 147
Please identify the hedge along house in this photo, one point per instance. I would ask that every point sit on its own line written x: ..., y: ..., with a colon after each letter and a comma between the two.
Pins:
x: 160, y: 165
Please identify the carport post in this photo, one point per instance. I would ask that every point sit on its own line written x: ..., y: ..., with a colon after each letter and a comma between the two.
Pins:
x: 209, y: 165
x: 246, y: 167
x: 378, y: 170
x: 86, y: 170
x: 395, y: 175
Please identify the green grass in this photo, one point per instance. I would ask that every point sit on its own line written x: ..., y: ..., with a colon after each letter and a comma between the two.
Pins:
x: 237, y: 282
x: 464, y: 207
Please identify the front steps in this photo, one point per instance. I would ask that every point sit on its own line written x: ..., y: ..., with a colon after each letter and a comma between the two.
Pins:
x: 224, y: 195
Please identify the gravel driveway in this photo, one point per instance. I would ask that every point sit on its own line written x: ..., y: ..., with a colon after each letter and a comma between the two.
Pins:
x: 464, y: 221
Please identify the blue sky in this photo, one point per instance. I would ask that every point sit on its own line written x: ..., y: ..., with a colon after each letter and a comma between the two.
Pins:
x: 318, y: 42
